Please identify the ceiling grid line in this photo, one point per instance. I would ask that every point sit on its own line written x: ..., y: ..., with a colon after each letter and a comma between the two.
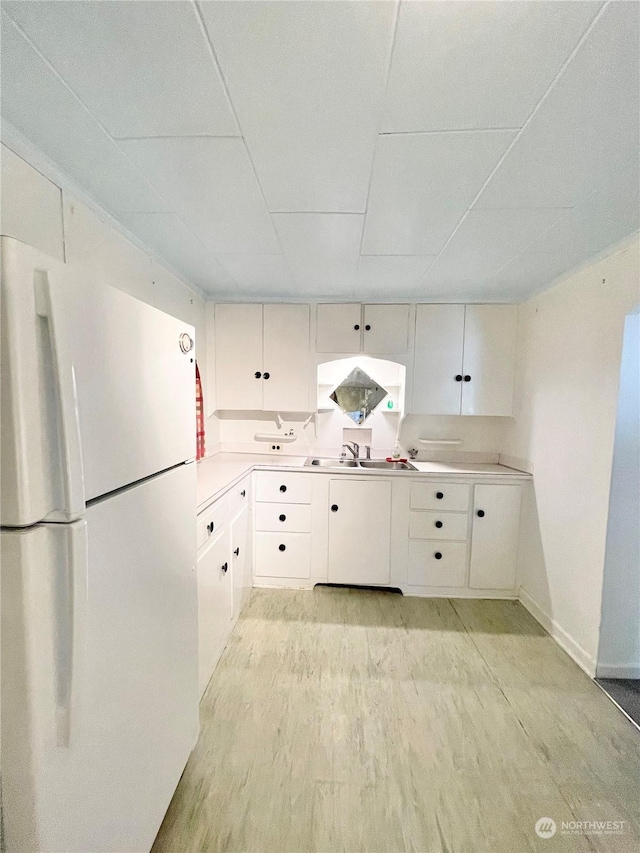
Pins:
x: 558, y: 75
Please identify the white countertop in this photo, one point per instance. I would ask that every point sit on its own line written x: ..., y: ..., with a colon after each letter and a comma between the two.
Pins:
x: 218, y: 473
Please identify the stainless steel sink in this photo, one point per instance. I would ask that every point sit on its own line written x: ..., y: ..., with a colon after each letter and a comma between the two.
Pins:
x: 331, y: 463
x: 383, y: 465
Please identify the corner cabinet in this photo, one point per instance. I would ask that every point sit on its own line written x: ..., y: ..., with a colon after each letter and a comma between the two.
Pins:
x: 263, y: 358
x: 464, y: 360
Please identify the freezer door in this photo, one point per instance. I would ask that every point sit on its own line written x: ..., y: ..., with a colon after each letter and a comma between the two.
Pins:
x: 98, y: 389
x: 99, y: 670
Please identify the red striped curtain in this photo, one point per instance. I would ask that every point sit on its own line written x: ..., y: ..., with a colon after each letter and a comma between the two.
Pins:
x: 199, y: 417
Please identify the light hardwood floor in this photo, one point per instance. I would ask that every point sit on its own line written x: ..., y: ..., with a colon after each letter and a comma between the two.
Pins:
x: 343, y: 720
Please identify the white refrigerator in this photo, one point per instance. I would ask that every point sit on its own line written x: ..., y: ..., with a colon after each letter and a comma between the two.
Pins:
x: 98, y: 596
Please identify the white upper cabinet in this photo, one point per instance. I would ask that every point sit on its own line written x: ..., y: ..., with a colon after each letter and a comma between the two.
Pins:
x: 339, y: 328
x: 489, y: 359
x: 354, y: 328
x: 464, y: 359
x: 438, y: 359
x: 262, y: 357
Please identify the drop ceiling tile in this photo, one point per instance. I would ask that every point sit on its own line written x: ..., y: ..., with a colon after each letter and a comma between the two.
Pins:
x: 460, y: 65
x: 142, y: 69
x: 526, y: 274
x: 210, y: 184
x: 487, y: 240
x: 586, y: 128
x: 390, y: 276
x: 263, y: 275
x: 40, y: 106
x: 307, y: 83
x: 322, y: 250
x: 170, y: 238
x: 421, y: 186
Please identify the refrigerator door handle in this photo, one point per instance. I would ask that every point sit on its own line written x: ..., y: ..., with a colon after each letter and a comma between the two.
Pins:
x: 72, y: 467
x: 69, y: 632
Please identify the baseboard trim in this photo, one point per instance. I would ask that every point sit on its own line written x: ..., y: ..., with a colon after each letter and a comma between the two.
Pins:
x: 618, y: 670
x: 584, y: 660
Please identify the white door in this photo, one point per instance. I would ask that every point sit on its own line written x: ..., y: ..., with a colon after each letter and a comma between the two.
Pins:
x: 386, y: 329
x: 489, y: 359
x: 437, y: 372
x: 287, y: 377
x: 97, y: 392
x: 240, y: 559
x: 359, y: 531
x: 214, y: 604
x: 339, y: 328
x: 99, y: 681
x: 238, y: 348
x: 494, y: 540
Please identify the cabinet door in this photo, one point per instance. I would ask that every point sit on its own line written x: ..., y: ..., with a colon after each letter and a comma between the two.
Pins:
x: 494, y: 540
x: 240, y: 557
x: 386, y: 329
x: 438, y: 360
x: 489, y: 359
x: 287, y: 386
x: 339, y: 328
x: 238, y: 349
x: 214, y: 605
x: 359, y: 531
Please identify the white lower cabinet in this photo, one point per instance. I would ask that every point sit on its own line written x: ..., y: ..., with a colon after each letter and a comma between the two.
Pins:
x: 496, y: 529
x: 433, y: 563
x: 283, y: 555
x: 359, y: 531
x: 214, y: 604
x: 240, y: 559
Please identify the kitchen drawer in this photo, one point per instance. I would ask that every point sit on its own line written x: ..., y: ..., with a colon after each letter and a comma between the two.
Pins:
x: 283, y: 555
x: 291, y: 518
x: 212, y: 520
x: 283, y: 488
x: 439, y: 525
x: 427, y: 569
x: 239, y: 496
x: 440, y: 496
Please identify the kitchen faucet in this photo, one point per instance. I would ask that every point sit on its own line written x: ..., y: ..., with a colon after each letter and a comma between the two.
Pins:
x: 353, y: 447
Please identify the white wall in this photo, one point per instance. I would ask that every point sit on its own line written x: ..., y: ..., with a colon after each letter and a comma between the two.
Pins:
x: 569, y: 353
x: 43, y: 214
x: 619, y: 649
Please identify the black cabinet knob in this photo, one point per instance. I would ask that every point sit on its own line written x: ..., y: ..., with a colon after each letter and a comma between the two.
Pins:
x: 357, y: 327
x: 480, y: 513
x: 282, y: 547
x: 283, y: 488
x: 257, y: 374
x: 282, y: 517
x: 266, y: 375
x: 438, y: 524
x: 438, y: 555
x: 237, y: 552
x: 367, y: 328
x: 439, y: 495
x: 334, y: 507
x: 458, y: 377
x: 225, y: 568
x: 243, y: 493
x: 210, y: 527
x: 467, y: 378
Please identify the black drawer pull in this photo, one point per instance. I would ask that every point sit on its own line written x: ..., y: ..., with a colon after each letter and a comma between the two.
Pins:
x: 225, y: 568
x: 283, y: 488
x: 459, y: 377
x: 243, y: 493
x: 282, y: 517
x: 334, y: 507
x: 438, y: 555
x: 480, y: 513
x: 282, y: 547
x: 257, y: 374
x: 237, y: 551
x: 439, y: 495
x: 210, y: 527
x: 357, y: 327
x: 467, y: 378
x: 438, y: 524
x: 266, y: 376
